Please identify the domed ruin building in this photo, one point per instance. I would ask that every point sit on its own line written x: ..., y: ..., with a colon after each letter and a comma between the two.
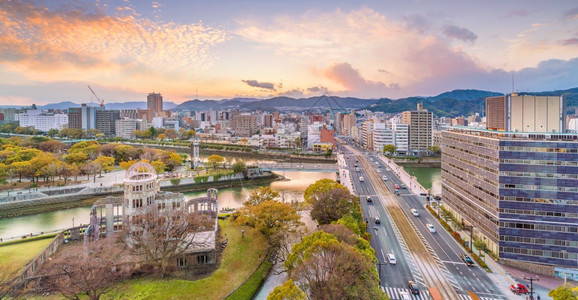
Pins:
x: 142, y: 195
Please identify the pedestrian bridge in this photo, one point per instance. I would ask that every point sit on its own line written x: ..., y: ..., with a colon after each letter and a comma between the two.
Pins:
x: 298, y: 167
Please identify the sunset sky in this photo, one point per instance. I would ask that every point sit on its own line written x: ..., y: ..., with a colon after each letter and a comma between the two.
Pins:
x: 51, y: 50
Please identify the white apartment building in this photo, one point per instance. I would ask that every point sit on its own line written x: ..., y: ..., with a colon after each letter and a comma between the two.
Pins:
x: 313, y: 134
x: 391, y: 133
x: 124, y: 128
x: 401, y: 138
x: 42, y: 121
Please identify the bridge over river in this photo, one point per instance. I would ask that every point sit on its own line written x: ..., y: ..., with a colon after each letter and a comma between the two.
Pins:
x: 313, y: 167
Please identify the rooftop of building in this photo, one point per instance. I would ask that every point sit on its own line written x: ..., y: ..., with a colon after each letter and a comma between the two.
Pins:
x: 497, y: 134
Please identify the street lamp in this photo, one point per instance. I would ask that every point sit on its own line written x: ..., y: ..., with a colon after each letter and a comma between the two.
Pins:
x: 532, y: 279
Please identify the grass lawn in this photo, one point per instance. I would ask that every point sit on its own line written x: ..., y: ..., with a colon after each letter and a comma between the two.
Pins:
x: 18, y: 255
x: 239, y: 261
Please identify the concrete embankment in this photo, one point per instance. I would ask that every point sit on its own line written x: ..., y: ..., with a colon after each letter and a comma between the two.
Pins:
x: 54, y: 203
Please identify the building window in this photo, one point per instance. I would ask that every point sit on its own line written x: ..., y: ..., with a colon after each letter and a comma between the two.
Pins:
x: 202, y: 259
x: 182, y: 262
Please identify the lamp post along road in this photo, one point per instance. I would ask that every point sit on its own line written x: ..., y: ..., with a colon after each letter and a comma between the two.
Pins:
x: 532, y: 279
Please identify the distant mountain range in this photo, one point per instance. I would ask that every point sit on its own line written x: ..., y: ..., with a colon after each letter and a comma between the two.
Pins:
x: 448, y: 104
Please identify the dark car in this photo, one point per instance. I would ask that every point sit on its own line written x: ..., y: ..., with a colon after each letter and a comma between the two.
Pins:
x: 376, y: 220
x: 469, y: 262
x: 369, y: 199
x: 413, y: 287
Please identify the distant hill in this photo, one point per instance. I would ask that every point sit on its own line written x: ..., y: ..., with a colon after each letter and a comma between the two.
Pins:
x: 276, y: 103
x: 465, y: 95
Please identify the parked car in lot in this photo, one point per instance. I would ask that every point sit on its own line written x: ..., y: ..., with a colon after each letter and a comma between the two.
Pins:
x: 519, y: 289
x: 469, y: 262
x: 412, y: 287
x: 414, y: 212
x: 431, y: 228
x: 369, y: 199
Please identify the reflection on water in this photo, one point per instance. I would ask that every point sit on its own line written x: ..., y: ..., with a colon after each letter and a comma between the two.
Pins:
x: 44, y: 222
x: 291, y: 189
x: 429, y: 178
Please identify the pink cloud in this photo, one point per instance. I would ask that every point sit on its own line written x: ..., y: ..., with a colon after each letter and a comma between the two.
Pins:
x: 351, y: 79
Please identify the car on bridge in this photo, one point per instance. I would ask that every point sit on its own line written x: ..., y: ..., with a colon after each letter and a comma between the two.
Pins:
x: 469, y: 262
x: 403, y: 186
x: 431, y: 228
x: 357, y: 169
x: 397, y: 192
x: 396, y: 186
x: 414, y: 212
x: 384, y: 178
x: 376, y: 220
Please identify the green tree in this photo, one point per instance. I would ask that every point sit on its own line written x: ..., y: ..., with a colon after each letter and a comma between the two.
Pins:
x: 190, y: 133
x: 106, y: 163
x: 480, y: 245
x: 319, y: 187
x: 260, y: 195
x: 215, y: 161
x: 239, y: 166
x: 326, y: 268
x: 159, y: 166
x: 389, y: 149
x: 435, y: 150
x: 270, y: 217
x: 153, y: 132
x: 330, y: 206
x: 52, y: 132
x: 287, y: 291
x: 328, y: 152
x: 564, y: 292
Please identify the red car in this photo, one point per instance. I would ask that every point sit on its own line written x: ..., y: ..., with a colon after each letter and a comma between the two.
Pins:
x: 396, y: 186
x: 519, y: 289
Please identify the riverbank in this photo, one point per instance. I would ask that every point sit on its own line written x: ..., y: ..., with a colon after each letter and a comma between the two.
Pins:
x: 73, y: 201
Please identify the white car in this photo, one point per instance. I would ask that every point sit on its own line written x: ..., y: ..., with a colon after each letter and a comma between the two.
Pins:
x: 361, y: 179
x: 357, y: 169
x: 378, y: 170
x: 431, y: 228
x: 391, y: 259
x: 414, y: 212
x: 384, y: 178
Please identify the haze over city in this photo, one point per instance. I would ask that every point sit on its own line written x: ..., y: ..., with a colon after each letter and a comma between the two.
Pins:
x: 50, y: 50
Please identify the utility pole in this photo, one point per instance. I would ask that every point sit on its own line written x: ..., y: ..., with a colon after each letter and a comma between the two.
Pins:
x: 532, y: 279
x: 379, y: 270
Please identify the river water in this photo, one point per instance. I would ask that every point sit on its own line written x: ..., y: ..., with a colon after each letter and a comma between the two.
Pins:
x: 291, y: 189
x: 429, y: 178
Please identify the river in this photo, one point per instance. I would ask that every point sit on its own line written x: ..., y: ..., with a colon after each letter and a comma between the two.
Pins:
x: 291, y: 189
x: 429, y: 178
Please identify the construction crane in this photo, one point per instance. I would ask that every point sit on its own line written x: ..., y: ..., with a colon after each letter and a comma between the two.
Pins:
x: 99, y: 100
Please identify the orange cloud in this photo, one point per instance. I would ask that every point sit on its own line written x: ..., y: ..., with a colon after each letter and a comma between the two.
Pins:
x: 45, y: 40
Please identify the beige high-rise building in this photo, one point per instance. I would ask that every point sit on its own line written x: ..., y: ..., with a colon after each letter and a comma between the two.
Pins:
x: 245, y: 125
x: 526, y: 113
x: 154, y: 105
x: 420, y: 123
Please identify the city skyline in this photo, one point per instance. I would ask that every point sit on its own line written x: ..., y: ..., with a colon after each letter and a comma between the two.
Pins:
x: 260, y: 49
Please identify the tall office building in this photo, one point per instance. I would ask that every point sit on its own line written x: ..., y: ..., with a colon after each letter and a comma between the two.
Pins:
x: 106, y: 120
x: 367, y: 134
x: 245, y: 125
x: 519, y: 191
x: 526, y: 113
x: 75, y: 118
x: 88, y: 116
x: 420, y: 123
x: 154, y: 105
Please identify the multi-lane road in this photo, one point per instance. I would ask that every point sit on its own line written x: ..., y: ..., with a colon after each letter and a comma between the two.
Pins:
x: 447, y: 272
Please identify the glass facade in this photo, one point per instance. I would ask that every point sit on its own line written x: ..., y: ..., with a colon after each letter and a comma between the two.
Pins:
x: 519, y: 191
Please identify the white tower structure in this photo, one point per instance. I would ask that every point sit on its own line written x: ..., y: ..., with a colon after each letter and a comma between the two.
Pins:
x: 140, y: 187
